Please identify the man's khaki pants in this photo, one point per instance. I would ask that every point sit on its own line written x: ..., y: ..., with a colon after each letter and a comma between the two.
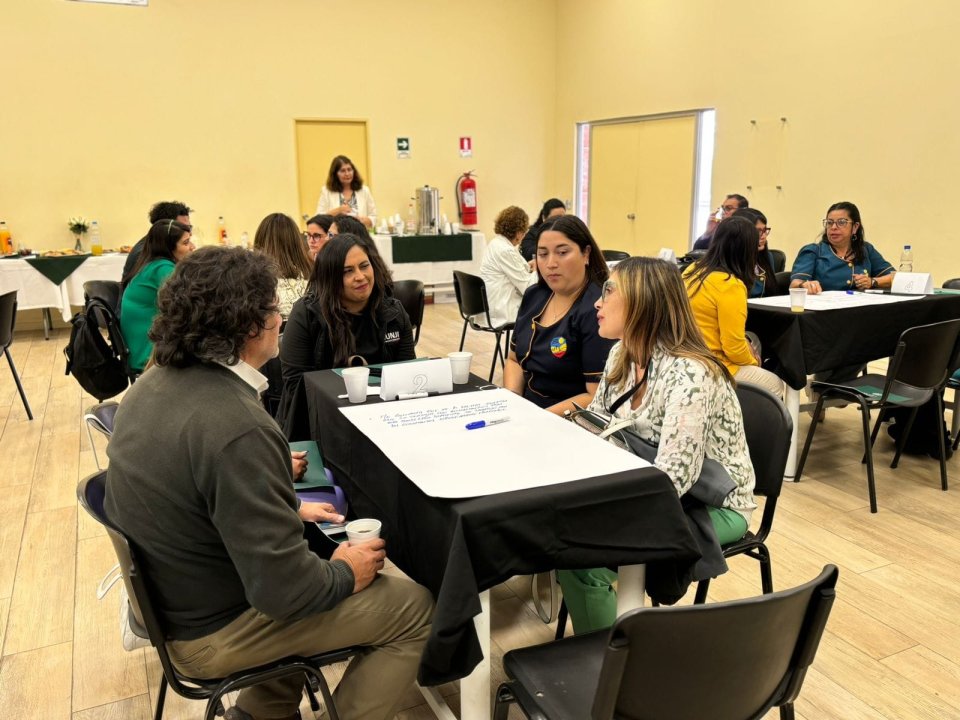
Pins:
x: 391, y: 617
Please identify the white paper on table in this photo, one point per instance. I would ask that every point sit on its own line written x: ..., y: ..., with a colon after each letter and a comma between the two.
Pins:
x: 833, y: 300
x: 428, y: 441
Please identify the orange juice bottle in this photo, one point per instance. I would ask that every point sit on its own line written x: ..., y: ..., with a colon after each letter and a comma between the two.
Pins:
x: 6, y: 242
x: 222, y: 232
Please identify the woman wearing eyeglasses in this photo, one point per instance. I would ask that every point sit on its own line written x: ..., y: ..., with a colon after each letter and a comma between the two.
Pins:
x: 766, y: 283
x: 345, y: 193
x: 717, y: 287
x: 167, y: 243
x: 316, y: 235
x: 662, y: 381
x: 843, y: 259
x: 347, y: 317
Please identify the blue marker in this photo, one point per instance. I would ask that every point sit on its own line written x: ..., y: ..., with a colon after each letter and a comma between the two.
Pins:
x: 477, y: 424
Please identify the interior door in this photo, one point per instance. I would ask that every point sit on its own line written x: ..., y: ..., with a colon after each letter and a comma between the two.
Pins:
x: 642, y: 177
x: 318, y: 142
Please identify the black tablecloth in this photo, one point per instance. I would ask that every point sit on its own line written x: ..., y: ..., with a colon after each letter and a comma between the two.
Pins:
x: 432, y: 248
x: 819, y: 340
x: 457, y: 548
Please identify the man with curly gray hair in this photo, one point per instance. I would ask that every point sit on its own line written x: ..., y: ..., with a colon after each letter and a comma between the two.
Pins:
x: 200, y: 480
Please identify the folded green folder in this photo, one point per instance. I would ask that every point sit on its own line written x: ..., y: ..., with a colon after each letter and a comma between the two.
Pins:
x: 876, y: 393
x: 316, y: 476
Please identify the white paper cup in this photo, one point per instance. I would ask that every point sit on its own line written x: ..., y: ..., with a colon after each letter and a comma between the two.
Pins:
x: 355, y: 378
x: 363, y: 530
x: 798, y: 298
x: 460, y: 366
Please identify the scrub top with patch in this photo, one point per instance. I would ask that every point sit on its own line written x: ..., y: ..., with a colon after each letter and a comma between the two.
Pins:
x: 559, y: 360
x: 818, y: 262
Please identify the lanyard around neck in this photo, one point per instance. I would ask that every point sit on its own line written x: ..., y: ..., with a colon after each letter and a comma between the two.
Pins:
x: 631, y: 392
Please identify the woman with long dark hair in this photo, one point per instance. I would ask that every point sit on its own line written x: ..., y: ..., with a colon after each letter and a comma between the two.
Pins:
x: 345, y: 194
x: 663, y: 382
x: 842, y: 259
x: 347, y: 317
x: 717, y: 286
x: 765, y: 284
x: 167, y: 243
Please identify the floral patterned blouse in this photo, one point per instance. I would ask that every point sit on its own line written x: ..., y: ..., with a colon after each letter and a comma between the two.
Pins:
x: 689, y: 413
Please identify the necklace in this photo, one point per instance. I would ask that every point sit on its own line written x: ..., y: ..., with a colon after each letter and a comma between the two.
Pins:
x: 557, y: 311
x: 846, y: 255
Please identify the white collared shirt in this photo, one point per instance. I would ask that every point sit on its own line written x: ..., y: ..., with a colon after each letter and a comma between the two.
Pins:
x: 250, y: 375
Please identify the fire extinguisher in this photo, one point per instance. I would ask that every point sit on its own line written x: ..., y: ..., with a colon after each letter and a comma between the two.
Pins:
x: 466, y: 192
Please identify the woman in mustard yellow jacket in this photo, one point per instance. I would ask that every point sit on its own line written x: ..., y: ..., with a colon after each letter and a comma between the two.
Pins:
x: 717, y: 287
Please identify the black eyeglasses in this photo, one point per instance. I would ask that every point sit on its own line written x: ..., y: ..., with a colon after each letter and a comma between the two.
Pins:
x: 766, y: 231
x: 841, y: 223
x: 316, y: 237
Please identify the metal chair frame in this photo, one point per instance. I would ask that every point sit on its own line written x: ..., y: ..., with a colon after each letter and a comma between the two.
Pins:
x: 8, y: 322
x: 472, y: 300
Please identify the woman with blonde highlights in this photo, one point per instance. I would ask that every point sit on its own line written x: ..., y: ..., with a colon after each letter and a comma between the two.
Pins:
x: 663, y: 383
x: 279, y: 239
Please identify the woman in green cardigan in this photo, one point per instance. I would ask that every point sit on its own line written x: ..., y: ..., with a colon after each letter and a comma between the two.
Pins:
x: 168, y: 242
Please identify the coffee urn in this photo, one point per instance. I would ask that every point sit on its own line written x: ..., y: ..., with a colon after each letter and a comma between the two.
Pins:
x: 428, y: 210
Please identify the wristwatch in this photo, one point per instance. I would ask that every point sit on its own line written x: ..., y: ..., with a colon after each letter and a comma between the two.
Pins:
x: 874, y: 284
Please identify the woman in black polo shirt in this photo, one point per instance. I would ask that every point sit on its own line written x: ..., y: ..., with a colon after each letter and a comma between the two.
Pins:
x: 556, y: 353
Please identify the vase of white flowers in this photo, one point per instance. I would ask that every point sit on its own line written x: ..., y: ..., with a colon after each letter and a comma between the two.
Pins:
x: 78, y: 226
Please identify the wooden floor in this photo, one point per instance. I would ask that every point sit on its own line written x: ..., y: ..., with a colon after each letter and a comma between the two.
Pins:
x: 891, y: 650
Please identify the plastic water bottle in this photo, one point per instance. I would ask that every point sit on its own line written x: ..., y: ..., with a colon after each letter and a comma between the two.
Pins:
x: 96, y: 246
x: 244, y: 241
x: 906, y: 259
x: 411, y: 220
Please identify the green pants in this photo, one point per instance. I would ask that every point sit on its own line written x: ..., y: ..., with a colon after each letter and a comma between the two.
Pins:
x: 591, y: 596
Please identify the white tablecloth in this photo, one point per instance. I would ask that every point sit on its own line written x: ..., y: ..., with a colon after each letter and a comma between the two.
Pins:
x: 35, y: 291
x: 432, y: 274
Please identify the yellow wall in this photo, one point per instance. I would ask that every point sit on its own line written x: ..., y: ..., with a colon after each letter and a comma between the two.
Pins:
x: 105, y: 109
x: 868, y: 89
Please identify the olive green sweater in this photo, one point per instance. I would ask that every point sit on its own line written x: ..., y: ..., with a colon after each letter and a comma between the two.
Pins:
x: 200, y: 480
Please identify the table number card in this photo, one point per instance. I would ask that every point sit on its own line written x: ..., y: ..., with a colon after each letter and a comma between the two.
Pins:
x: 909, y: 283
x: 416, y: 379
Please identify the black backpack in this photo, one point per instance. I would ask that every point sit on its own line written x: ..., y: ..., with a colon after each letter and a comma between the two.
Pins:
x: 97, y: 353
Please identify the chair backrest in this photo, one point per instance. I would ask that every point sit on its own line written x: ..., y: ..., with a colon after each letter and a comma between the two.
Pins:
x: 612, y: 255
x: 471, y: 294
x: 91, y: 492
x: 8, y: 318
x: 767, y: 426
x: 778, y: 258
x: 720, y: 660
x: 952, y: 284
x: 783, y: 282
x: 924, y: 355
x: 108, y: 291
x: 411, y: 295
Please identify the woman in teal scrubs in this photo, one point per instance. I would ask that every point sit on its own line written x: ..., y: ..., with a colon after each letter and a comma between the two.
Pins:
x: 843, y: 259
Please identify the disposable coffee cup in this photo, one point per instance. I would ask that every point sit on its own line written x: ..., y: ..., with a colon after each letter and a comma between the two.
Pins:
x: 460, y: 366
x: 798, y: 298
x: 363, y: 530
x: 355, y: 378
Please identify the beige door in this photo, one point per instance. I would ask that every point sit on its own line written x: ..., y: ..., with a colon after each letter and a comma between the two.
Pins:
x: 642, y: 184
x: 318, y: 142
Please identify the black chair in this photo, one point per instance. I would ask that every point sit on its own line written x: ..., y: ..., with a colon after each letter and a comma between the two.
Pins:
x: 614, y: 255
x: 100, y: 417
x: 107, y: 291
x: 917, y: 371
x: 954, y: 384
x: 8, y: 321
x: 411, y: 295
x: 733, y: 660
x: 767, y: 427
x: 778, y: 258
x: 472, y: 299
x: 145, y: 622
x: 783, y: 282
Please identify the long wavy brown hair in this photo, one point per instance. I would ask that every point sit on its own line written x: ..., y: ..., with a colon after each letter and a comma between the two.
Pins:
x: 279, y: 239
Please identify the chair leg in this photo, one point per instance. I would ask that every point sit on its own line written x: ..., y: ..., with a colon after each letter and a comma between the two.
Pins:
x: 503, y: 701
x: 702, y: 587
x: 93, y: 447
x: 161, y: 698
x: 314, y: 703
x: 943, y: 449
x: 493, y: 363
x: 463, y: 335
x: 766, y: 570
x: 16, y: 379
x: 902, y: 441
x: 786, y: 712
x: 806, y: 444
x: 561, y: 620
x: 871, y: 484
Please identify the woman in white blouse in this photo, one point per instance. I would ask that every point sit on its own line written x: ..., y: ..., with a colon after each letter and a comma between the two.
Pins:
x: 345, y: 193
x: 506, y: 274
x: 663, y: 382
